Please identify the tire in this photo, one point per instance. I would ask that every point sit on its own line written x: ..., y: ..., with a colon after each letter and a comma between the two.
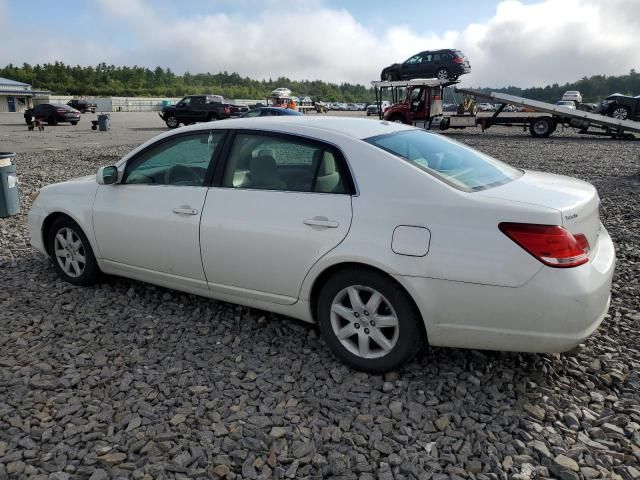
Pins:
x: 402, y: 339
x: 172, y: 122
x: 443, y: 74
x: 212, y: 118
x: 68, y: 261
x: 389, y: 77
x: 541, y: 127
x: 74, y: 123
x: 619, y: 112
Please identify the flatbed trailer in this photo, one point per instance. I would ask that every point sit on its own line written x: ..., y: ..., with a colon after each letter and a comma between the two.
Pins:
x: 541, y: 126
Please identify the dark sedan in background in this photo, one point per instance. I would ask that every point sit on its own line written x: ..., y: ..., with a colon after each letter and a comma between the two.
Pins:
x: 52, y: 114
x: 443, y: 64
x: 270, y: 112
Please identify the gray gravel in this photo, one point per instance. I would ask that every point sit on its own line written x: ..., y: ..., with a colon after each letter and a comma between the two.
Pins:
x: 128, y: 380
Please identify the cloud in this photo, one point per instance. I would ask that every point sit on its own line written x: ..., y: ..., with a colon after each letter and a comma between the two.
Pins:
x: 534, y: 44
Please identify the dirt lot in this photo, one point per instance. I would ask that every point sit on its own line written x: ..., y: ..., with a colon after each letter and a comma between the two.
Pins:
x: 128, y: 380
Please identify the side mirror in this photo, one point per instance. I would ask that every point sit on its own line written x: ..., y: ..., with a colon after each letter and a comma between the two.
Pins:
x: 107, y: 175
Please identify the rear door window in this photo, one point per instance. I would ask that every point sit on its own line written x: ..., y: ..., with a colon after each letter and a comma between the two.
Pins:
x: 275, y: 162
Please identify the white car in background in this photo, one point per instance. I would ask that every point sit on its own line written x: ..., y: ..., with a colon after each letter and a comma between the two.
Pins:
x: 385, y: 235
x: 566, y: 104
x: 572, y: 96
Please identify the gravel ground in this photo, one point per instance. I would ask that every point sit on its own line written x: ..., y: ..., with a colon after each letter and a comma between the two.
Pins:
x: 128, y: 380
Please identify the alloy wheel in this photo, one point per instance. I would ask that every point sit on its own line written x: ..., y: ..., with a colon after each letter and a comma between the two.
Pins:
x: 620, y: 113
x: 443, y: 74
x: 364, y: 322
x: 172, y: 122
x: 70, y: 252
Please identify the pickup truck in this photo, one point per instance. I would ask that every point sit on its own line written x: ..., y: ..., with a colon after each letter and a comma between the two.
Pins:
x: 82, y: 106
x: 199, y: 108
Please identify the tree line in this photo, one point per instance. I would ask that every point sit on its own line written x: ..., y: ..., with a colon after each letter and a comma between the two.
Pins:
x: 105, y: 80
x: 122, y: 81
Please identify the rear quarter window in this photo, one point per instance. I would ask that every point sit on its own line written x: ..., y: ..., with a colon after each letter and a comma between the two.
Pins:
x: 449, y: 161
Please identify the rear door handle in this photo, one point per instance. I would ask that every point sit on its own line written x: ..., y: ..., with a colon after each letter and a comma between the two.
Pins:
x: 321, y: 222
x: 185, y: 211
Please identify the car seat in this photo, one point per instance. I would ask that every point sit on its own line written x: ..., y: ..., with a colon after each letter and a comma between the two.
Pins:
x: 328, y: 177
x: 264, y: 172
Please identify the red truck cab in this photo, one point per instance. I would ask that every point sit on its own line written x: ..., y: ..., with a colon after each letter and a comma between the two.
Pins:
x: 420, y: 105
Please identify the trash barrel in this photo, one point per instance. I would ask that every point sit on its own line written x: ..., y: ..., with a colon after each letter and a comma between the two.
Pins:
x: 9, y: 196
x: 104, y: 122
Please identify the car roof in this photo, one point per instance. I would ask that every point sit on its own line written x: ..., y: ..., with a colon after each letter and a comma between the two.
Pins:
x: 310, y: 126
x: 358, y: 128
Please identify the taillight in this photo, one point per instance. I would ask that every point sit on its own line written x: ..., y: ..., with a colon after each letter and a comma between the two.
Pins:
x: 458, y: 60
x: 551, y: 244
x: 227, y: 109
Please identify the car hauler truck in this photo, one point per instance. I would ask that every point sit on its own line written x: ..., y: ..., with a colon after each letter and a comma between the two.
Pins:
x: 418, y: 102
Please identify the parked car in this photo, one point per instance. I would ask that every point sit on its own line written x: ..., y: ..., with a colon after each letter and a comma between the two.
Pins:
x: 443, y: 64
x: 270, y: 112
x: 486, y: 107
x: 83, y: 106
x: 372, y: 108
x: 566, y: 104
x: 52, y: 114
x: 199, y: 108
x: 572, y: 96
x: 621, y: 107
x: 362, y: 227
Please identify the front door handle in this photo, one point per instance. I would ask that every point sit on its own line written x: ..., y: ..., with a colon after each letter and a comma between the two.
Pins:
x: 185, y: 211
x: 321, y: 222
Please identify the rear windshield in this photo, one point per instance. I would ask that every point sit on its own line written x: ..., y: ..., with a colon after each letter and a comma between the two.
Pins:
x: 455, y: 164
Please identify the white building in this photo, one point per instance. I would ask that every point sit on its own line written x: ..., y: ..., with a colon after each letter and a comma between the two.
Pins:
x: 14, y: 96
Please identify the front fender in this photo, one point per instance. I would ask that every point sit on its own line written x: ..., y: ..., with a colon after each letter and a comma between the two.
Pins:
x: 74, y: 200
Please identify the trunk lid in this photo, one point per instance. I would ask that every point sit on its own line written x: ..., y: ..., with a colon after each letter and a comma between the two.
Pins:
x: 577, y: 201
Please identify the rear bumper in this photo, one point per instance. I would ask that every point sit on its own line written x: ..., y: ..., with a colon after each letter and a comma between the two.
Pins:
x: 554, y: 312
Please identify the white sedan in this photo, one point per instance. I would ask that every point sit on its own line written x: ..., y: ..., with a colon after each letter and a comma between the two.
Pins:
x: 385, y: 235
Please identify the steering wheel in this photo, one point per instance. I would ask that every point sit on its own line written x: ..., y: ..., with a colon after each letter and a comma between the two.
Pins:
x: 181, y: 175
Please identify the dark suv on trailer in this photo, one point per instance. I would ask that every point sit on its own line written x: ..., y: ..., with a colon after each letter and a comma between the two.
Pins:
x: 442, y: 64
x: 621, y: 107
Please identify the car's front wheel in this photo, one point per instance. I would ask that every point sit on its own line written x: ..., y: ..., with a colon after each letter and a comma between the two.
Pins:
x: 172, y: 122
x: 72, y: 256
x: 368, y: 320
x: 389, y: 77
x: 74, y: 123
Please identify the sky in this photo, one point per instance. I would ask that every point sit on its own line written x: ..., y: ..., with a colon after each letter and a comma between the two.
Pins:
x: 509, y: 42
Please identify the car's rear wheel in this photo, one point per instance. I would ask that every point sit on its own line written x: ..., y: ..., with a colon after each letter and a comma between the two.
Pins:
x: 620, y: 113
x: 74, y: 123
x: 541, y: 127
x: 368, y: 320
x: 172, y: 122
x: 71, y: 252
x: 443, y: 74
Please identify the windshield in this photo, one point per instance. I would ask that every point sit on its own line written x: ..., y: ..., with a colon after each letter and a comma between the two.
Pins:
x: 455, y: 164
